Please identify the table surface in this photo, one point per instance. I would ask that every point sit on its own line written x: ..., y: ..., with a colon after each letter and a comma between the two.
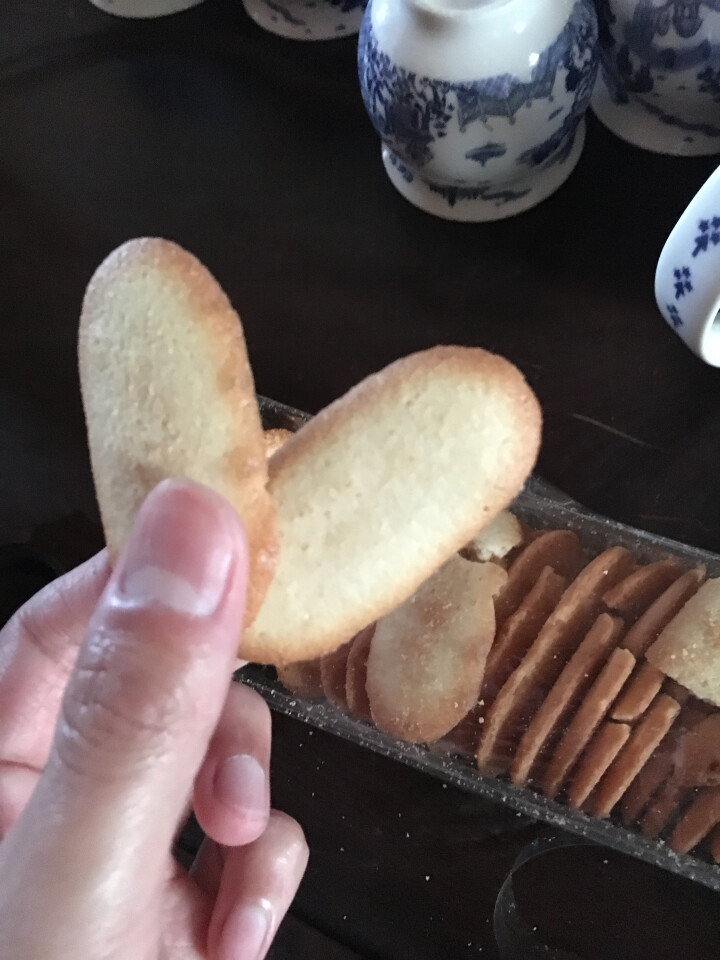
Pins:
x: 255, y: 153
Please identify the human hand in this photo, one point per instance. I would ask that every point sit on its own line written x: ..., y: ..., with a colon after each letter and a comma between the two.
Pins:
x: 108, y: 733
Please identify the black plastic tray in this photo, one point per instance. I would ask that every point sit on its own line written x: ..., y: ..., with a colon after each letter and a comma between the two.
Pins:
x: 543, y: 505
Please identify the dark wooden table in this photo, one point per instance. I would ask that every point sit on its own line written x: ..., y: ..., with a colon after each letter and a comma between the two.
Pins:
x: 256, y: 154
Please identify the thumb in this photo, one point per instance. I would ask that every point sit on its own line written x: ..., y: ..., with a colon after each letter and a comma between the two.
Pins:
x: 140, y: 707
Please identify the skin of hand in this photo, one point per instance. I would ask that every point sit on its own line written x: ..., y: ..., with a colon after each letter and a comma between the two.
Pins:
x: 117, y: 714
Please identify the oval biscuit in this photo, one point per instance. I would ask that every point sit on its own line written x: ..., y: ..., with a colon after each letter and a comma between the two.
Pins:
x: 383, y: 486
x: 168, y: 392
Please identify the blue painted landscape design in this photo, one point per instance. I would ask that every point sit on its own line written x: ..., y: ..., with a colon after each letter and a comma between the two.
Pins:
x: 289, y: 13
x: 638, y: 63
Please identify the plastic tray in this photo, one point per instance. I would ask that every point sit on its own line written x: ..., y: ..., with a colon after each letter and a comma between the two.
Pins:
x: 541, y: 505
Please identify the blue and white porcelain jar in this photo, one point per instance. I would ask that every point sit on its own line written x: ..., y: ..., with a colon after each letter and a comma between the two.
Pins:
x: 480, y: 104
x: 659, y: 84
x: 308, y: 19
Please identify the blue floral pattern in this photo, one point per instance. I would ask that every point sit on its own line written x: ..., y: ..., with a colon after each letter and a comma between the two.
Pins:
x: 674, y: 315
x: 708, y: 233
x: 412, y: 112
x: 683, y: 281
x: 707, y: 237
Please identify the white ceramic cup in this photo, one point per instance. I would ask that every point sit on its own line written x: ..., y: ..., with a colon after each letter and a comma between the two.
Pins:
x: 144, y: 9
x: 687, y: 280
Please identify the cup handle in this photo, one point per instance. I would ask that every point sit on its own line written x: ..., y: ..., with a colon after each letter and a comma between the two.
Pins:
x: 687, y: 279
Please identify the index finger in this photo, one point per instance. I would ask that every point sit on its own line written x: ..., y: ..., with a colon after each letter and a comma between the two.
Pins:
x: 38, y: 647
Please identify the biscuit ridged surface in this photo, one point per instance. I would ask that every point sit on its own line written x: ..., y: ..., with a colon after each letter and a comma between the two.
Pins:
x: 168, y: 391
x: 383, y: 486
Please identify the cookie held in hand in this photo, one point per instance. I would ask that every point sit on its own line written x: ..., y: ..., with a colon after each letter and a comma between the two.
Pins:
x: 382, y: 487
x: 353, y: 512
x: 168, y: 392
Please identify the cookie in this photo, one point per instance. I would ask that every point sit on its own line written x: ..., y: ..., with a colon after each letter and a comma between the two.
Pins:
x: 519, y: 631
x: 605, y: 746
x: 587, y: 719
x: 168, y: 392
x: 496, y: 540
x: 639, y: 692
x: 383, y: 486
x: 688, y: 649
x: 356, y: 675
x: 659, y: 614
x: 558, y: 549
x: 698, y: 820
x: 427, y: 657
x: 567, y: 693
x: 274, y: 439
x: 559, y: 637
x: 632, y: 596
x: 333, y: 671
x: 302, y: 678
x: 645, y: 738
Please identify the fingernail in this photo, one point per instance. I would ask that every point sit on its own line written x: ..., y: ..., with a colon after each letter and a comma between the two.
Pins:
x: 246, y: 933
x: 180, y: 553
x: 240, y: 783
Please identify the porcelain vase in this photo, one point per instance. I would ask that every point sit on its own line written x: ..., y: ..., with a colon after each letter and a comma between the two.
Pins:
x: 479, y: 104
